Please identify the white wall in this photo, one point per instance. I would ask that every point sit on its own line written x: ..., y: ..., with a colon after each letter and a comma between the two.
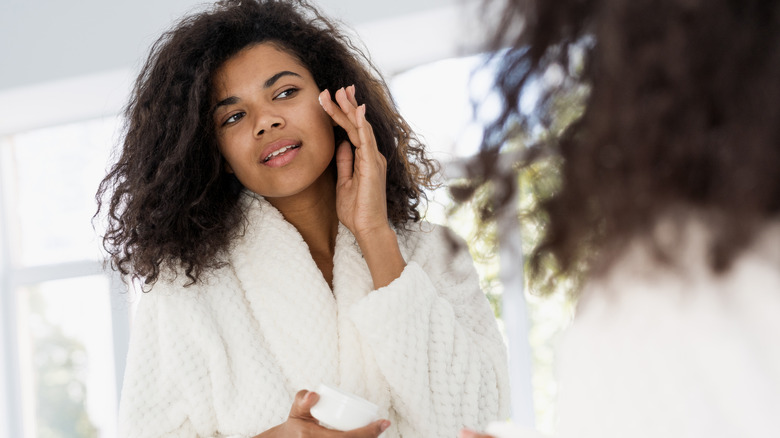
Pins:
x: 64, y: 61
x: 46, y: 40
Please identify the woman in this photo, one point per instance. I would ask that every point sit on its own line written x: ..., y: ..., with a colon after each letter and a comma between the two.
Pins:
x: 668, y: 209
x: 277, y: 234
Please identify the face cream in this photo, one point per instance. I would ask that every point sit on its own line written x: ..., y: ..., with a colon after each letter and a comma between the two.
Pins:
x: 341, y: 410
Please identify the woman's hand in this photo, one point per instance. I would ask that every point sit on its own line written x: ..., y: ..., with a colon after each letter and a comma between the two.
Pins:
x: 361, y: 200
x: 300, y: 423
x: 466, y: 433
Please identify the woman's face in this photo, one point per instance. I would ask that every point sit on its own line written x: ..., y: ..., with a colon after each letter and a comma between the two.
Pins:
x: 271, y: 129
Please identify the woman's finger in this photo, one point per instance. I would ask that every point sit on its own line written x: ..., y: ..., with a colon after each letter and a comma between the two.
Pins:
x: 373, y: 430
x: 366, y: 132
x: 466, y: 433
x: 302, y: 404
x: 344, y: 160
x: 339, y: 117
x: 346, y: 105
x: 351, y: 95
x: 360, y: 114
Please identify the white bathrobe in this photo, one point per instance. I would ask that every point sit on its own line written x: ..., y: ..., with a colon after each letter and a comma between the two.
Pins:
x: 225, y: 357
x: 675, y: 350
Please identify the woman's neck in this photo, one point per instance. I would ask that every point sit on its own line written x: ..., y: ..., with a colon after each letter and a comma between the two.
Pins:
x: 313, y: 213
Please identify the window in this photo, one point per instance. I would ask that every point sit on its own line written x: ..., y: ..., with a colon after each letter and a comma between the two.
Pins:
x: 64, y: 324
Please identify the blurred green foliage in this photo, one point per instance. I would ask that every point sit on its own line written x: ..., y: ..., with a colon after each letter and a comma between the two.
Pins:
x: 550, y: 294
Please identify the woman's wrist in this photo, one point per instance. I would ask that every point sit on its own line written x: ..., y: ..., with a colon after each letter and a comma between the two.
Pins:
x: 382, y: 254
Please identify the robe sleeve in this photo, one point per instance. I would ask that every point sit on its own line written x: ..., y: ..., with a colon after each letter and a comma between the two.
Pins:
x: 164, y: 370
x: 436, y: 341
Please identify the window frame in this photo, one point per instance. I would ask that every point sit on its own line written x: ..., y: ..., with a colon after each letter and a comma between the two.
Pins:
x: 14, y: 413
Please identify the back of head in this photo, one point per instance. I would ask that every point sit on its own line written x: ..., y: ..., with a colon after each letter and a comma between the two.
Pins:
x: 679, y: 113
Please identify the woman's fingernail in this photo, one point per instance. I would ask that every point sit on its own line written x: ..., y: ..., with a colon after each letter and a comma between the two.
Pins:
x: 385, y: 424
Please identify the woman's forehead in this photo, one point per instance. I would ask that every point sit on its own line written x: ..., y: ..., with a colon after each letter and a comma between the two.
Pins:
x: 258, y: 62
x: 263, y: 57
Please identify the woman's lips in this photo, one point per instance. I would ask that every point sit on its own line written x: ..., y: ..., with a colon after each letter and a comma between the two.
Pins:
x: 280, y: 153
x: 283, y: 157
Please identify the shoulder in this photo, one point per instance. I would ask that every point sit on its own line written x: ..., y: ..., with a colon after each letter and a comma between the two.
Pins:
x: 424, y: 238
x: 680, y: 338
x: 639, y: 271
x: 441, y: 252
x: 173, y: 297
x: 644, y: 315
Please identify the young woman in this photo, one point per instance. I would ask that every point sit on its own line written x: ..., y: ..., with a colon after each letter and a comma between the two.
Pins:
x: 266, y: 196
x: 669, y: 208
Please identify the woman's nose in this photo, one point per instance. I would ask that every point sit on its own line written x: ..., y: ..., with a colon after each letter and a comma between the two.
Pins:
x: 268, y: 121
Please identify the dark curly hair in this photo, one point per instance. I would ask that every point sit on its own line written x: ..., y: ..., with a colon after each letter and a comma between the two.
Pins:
x: 168, y: 199
x: 681, y: 113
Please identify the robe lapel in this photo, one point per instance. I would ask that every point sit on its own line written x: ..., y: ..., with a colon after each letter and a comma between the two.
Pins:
x: 291, y: 300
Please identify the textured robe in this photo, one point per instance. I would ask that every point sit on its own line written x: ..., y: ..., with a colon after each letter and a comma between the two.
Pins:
x: 225, y: 357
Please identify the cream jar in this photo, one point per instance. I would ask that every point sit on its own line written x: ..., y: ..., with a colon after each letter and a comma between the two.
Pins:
x: 340, y: 410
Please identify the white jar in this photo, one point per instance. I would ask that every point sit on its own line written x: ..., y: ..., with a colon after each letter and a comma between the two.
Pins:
x: 340, y: 410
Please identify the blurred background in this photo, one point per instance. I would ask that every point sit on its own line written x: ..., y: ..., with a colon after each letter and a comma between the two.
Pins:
x: 66, y: 68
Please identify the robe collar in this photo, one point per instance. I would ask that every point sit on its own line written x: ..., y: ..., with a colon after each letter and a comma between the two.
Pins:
x: 305, y: 324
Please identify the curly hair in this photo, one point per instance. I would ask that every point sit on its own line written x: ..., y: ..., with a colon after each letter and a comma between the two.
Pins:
x: 169, y: 201
x: 681, y: 114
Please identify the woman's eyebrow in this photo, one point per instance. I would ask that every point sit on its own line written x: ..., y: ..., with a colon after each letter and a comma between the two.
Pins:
x: 272, y: 80
x: 268, y: 83
x: 225, y: 102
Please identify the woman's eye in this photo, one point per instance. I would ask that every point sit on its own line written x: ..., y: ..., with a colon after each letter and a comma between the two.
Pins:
x: 286, y: 93
x: 233, y: 119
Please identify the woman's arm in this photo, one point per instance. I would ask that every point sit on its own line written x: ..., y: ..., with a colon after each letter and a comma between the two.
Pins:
x: 152, y: 404
x: 428, y: 323
x: 436, y: 341
x: 361, y: 199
